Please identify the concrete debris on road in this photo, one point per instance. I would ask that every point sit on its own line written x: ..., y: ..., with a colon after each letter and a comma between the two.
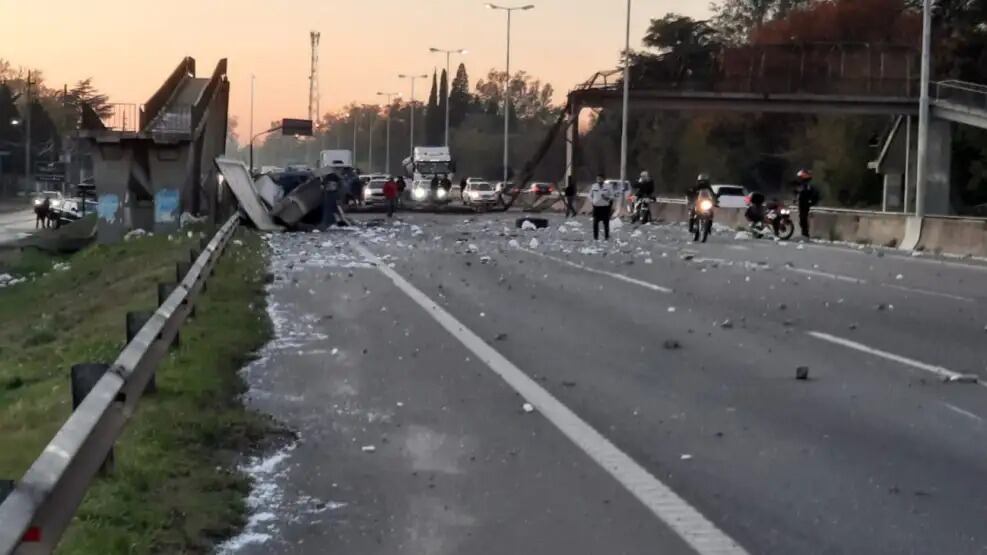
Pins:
x: 528, y: 226
x: 671, y: 344
x: 726, y: 324
x: 533, y: 244
x: 802, y: 373
x: 685, y: 457
x: 369, y: 448
x: 527, y: 407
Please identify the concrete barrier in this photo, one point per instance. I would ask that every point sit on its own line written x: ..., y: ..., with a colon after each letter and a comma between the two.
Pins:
x: 955, y: 236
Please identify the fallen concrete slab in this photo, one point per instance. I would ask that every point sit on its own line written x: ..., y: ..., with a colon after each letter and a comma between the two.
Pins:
x: 238, y: 178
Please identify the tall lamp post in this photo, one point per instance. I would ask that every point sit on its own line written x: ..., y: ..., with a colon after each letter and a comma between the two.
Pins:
x: 507, y: 84
x: 448, y: 54
x: 251, y: 134
x: 412, y: 78
x: 627, y: 97
x: 387, y: 148
x: 922, y: 171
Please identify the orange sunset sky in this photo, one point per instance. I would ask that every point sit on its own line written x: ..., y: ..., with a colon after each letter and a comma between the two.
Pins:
x: 130, y: 46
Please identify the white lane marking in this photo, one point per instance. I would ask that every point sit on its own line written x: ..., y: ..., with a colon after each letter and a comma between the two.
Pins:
x: 937, y: 370
x: 698, y: 532
x: 614, y: 275
x: 965, y: 413
x: 928, y: 292
x: 837, y: 277
x: 861, y: 281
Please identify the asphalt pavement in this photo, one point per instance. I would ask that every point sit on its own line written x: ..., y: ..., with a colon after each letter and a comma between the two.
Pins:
x: 460, y: 385
x: 16, y: 224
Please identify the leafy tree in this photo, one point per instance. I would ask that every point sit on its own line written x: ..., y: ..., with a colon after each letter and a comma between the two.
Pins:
x: 433, y: 118
x: 460, y: 99
x: 737, y: 19
x: 11, y: 138
x: 443, y: 101
x: 85, y: 92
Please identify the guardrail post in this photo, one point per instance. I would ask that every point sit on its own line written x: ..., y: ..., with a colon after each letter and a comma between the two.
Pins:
x: 164, y: 290
x: 85, y: 376
x: 136, y: 321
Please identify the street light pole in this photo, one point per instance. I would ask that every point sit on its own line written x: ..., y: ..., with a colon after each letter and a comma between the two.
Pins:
x: 28, y: 173
x: 370, y: 147
x: 507, y: 84
x: 922, y: 172
x: 355, y: 121
x: 252, y: 79
x: 627, y: 97
x: 448, y: 54
x: 390, y: 112
x: 411, y: 143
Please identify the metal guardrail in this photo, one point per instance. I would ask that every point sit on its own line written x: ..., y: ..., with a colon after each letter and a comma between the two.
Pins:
x: 854, y: 211
x: 35, y: 514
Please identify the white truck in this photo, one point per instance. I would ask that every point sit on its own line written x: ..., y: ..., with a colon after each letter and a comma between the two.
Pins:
x: 426, y: 163
x: 336, y: 159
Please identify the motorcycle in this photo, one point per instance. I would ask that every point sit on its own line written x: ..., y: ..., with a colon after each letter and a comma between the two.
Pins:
x: 778, y: 220
x: 703, y: 218
x: 641, y: 211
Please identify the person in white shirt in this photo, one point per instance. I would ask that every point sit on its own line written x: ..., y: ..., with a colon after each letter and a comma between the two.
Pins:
x: 601, y: 197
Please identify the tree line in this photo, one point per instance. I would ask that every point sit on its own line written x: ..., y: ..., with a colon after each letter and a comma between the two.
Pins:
x: 54, y: 112
x: 475, y: 123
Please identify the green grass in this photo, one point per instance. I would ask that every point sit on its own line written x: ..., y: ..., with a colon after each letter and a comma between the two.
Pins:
x: 174, y: 488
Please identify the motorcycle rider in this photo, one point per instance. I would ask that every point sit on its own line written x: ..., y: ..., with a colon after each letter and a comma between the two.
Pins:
x: 645, y: 186
x: 692, y: 196
x: 806, y: 197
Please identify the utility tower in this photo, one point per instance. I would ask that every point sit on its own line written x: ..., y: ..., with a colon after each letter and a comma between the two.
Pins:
x: 313, y: 81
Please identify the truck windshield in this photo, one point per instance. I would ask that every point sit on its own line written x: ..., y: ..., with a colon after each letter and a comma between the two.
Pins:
x: 430, y: 168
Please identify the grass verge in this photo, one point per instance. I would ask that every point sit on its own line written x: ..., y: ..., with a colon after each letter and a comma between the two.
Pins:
x: 174, y: 488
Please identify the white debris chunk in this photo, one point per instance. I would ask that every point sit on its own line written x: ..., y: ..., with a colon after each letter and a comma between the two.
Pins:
x: 527, y: 225
x: 368, y: 448
x: 514, y: 244
x: 135, y: 234
x: 742, y: 236
x: 899, y: 277
x: 61, y: 267
x: 671, y: 309
x: 527, y: 407
x: 685, y: 457
x: 533, y: 244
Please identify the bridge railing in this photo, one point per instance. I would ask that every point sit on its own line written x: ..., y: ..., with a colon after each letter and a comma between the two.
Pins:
x: 198, y: 110
x: 969, y: 95
x: 123, y: 117
x: 822, y: 69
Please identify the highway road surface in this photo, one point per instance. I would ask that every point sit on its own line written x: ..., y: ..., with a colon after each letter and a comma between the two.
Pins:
x: 15, y: 224
x: 459, y: 385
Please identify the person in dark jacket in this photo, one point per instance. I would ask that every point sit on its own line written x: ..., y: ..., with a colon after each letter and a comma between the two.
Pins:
x: 692, y: 194
x: 570, y: 197
x: 806, y: 197
x: 645, y: 186
x: 446, y: 183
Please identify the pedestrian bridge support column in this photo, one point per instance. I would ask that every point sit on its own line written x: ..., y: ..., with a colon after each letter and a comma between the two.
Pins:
x: 572, y: 144
x: 171, y: 177
x: 111, y: 172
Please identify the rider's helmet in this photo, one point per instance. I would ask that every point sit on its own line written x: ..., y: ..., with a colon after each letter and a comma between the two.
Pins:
x: 645, y: 175
x: 702, y: 179
x: 804, y: 175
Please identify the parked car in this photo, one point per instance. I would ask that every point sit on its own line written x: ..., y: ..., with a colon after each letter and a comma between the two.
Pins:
x: 54, y: 198
x: 541, y: 188
x: 72, y: 209
x: 730, y: 196
x: 479, y: 194
x: 373, y: 191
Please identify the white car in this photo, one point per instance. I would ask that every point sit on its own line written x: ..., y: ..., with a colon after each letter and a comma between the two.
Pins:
x: 421, y: 191
x: 373, y: 192
x: 730, y: 196
x: 480, y: 193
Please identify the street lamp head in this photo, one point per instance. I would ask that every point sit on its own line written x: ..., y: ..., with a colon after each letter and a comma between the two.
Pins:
x: 435, y: 50
x: 493, y: 7
x: 402, y: 76
x: 464, y: 51
x: 528, y: 7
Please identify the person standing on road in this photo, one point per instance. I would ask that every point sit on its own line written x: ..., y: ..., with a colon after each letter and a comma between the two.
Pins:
x: 806, y: 197
x: 601, y: 197
x: 570, y: 197
x: 401, y: 187
x: 446, y: 183
x: 391, y: 195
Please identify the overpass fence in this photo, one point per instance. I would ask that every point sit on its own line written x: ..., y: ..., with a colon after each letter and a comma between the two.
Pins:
x: 40, y: 506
